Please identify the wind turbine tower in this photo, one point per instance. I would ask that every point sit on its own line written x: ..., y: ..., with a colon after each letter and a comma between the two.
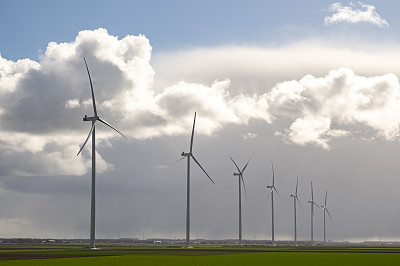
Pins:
x: 240, y: 174
x: 92, y: 131
x: 295, y: 197
x: 312, y: 214
x: 190, y: 155
x: 272, y: 189
x: 325, y: 208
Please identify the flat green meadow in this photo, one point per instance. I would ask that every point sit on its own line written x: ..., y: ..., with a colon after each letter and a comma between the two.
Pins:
x: 113, y: 254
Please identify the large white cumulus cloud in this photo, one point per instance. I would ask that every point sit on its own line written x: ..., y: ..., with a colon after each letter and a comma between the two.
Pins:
x: 42, y: 104
x: 341, y: 98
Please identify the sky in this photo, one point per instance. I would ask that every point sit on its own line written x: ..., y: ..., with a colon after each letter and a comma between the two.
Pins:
x: 312, y: 86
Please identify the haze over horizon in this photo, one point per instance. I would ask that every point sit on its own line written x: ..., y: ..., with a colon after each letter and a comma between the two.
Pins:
x: 312, y: 86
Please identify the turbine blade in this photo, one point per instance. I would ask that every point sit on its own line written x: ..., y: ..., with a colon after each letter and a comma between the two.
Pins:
x: 178, y: 161
x: 108, y: 124
x: 299, y: 201
x: 297, y: 183
x: 91, y: 86
x: 328, y: 213
x: 270, y: 192
x: 244, y: 186
x: 237, y: 167
x: 246, y: 164
x: 312, y: 193
x: 316, y: 204
x: 90, y: 133
x: 277, y: 192
x: 273, y: 174
x: 201, y: 168
x: 326, y: 196
x: 191, y: 139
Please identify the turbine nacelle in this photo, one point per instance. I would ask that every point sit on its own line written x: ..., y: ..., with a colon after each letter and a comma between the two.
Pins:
x: 190, y: 154
x: 324, y: 207
x: 90, y: 118
x: 271, y: 187
x: 293, y: 195
x: 240, y: 173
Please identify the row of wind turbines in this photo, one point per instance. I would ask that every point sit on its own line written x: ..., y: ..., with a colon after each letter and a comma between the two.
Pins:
x: 272, y: 189
x: 189, y: 155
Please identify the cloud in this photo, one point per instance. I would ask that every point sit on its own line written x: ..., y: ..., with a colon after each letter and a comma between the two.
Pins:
x: 351, y: 14
x: 43, y: 103
x: 341, y: 98
x: 72, y: 103
x: 357, y: 100
x: 11, y: 72
x: 249, y: 135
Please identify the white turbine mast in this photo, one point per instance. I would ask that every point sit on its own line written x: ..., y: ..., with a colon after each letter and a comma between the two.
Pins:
x: 272, y: 189
x: 312, y: 213
x: 92, y: 131
x: 295, y: 197
x: 190, y: 155
x: 240, y: 174
x: 325, y: 208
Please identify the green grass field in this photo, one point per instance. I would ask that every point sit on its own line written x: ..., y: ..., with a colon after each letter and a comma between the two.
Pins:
x: 69, y: 254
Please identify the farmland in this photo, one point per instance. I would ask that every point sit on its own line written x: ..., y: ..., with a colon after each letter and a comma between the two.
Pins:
x: 129, y: 254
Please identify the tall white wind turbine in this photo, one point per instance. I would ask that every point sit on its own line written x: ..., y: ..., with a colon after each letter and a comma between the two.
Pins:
x: 295, y: 197
x: 272, y: 189
x: 312, y: 213
x: 94, y: 119
x: 240, y: 174
x: 325, y: 208
x: 190, y: 155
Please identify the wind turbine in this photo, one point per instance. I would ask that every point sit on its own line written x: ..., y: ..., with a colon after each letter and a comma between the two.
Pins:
x: 325, y: 208
x: 190, y: 155
x: 272, y: 189
x: 295, y: 197
x: 240, y: 174
x: 92, y: 132
x: 312, y: 213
